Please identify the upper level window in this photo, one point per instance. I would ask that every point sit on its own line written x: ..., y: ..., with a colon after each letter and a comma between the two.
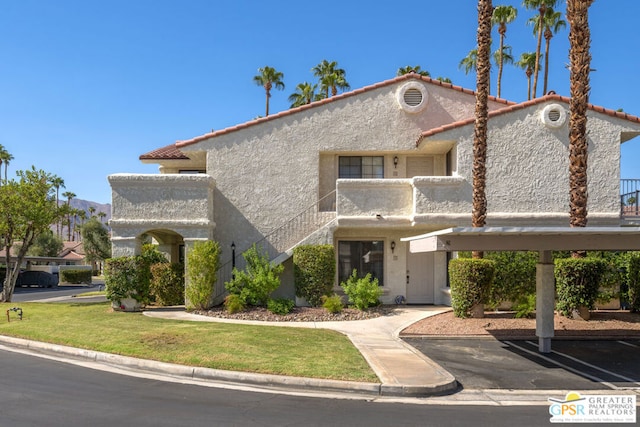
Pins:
x: 361, y: 167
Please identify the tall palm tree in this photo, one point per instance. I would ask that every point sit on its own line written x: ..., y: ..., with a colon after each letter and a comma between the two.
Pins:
x: 502, y: 56
x: 101, y: 215
x: 502, y: 15
x: 92, y: 210
x: 269, y: 78
x: 553, y: 23
x: 443, y: 79
x: 305, y: 94
x: 412, y: 69
x: 483, y: 73
x: 6, y: 158
x: 3, y: 151
x: 541, y: 6
x: 330, y: 77
x: 528, y: 63
x: 579, y: 66
x: 69, y: 195
x: 57, y: 182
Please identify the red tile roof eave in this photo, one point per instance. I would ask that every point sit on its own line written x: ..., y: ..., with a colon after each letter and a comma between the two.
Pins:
x: 523, y: 105
x: 169, y: 152
x: 344, y: 95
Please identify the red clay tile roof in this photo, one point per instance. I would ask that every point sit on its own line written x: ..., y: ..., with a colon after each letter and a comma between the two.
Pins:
x: 344, y: 95
x: 522, y: 105
x: 170, y: 152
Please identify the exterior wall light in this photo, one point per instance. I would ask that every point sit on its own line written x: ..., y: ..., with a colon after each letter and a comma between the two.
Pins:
x: 395, y: 161
x: 393, y: 246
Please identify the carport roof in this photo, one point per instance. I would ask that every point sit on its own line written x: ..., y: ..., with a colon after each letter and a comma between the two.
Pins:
x: 526, y: 239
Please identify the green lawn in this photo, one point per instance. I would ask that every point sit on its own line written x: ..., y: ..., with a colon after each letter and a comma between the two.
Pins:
x: 314, y: 353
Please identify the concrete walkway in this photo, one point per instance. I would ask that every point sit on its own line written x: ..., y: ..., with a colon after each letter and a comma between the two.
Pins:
x: 402, y: 370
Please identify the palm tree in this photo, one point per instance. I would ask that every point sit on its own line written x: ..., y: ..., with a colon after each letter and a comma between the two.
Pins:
x: 528, y: 63
x: 92, y: 210
x: 483, y: 73
x: 69, y: 195
x: 579, y: 66
x: 57, y: 182
x: 412, y: 69
x: 6, y: 158
x: 502, y: 56
x: 330, y: 77
x: 469, y: 62
x: 553, y: 23
x: 305, y: 94
x: 101, y: 215
x: 541, y: 6
x: 268, y: 79
x: 502, y: 15
x: 443, y: 79
x: 3, y: 151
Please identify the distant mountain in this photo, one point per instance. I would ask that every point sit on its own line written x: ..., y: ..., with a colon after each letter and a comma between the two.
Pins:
x: 84, y: 205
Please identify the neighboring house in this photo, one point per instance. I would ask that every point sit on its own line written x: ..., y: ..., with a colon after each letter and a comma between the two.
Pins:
x: 362, y: 170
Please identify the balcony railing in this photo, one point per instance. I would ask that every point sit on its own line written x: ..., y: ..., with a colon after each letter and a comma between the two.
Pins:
x: 630, y: 198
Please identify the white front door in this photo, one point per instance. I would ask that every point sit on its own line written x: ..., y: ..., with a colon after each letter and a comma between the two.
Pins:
x: 420, y: 278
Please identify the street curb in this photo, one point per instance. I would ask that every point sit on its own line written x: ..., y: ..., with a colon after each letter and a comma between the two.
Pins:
x: 207, y: 374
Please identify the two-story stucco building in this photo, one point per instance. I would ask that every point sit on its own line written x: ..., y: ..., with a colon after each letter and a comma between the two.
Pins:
x: 362, y: 170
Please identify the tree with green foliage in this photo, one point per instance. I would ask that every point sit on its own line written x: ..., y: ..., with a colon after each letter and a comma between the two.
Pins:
x: 269, y: 78
x: 57, y: 183
x: 305, y: 94
x: 330, y: 77
x: 527, y: 62
x: 46, y: 244
x: 203, y: 263
x: 553, y: 23
x: 27, y: 209
x: 96, y: 241
x: 469, y: 62
x: 69, y: 195
x: 541, y: 7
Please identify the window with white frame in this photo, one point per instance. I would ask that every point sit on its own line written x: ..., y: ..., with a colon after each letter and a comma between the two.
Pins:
x: 361, y: 167
x: 363, y: 256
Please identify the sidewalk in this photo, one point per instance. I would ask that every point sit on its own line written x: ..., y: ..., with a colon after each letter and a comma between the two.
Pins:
x: 402, y: 370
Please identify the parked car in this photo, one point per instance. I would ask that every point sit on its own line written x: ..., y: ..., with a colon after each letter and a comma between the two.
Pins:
x: 37, y: 278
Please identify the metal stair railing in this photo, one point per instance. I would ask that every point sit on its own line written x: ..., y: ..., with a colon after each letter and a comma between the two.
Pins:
x: 630, y: 197
x: 281, y: 239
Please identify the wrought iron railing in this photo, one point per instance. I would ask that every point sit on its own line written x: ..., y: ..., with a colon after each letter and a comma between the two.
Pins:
x: 630, y: 197
x: 280, y: 239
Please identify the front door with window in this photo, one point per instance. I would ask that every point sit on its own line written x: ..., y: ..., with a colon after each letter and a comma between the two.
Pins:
x: 420, y: 280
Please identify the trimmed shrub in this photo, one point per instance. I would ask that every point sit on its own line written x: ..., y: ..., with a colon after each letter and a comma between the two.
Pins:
x: 281, y: 306
x: 167, y: 283
x: 75, y: 276
x: 470, y: 282
x: 577, y: 283
x: 203, y: 262
x: 633, y: 282
x: 127, y: 277
x: 259, y: 279
x: 333, y: 303
x: 363, y: 292
x: 314, y: 270
x: 234, y: 304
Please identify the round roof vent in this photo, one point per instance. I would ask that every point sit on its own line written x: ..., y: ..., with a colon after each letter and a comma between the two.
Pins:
x: 553, y: 116
x: 412, y: 97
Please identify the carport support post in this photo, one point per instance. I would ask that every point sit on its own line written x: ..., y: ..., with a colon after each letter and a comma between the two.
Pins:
x: 545, y: 301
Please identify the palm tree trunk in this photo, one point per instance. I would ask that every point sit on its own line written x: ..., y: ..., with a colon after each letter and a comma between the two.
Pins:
x: 547, y: 38
x: 580, y: 65
x: 500, y: 64
x: 479, y: 210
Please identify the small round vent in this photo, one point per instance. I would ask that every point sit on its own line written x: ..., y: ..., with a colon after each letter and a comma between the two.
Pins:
x: 553, y: 116
x: 412, y: 97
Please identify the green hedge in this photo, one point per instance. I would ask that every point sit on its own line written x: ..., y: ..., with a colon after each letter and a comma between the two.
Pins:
x: 470, y: 283
x: 127, y: 277
x: 76, y: 276
x: 633, y: 278
x: 203, y: 262
x: 258, y: 280
x: 577, y: 283
x: 167, y: 283
x: 314, y: 271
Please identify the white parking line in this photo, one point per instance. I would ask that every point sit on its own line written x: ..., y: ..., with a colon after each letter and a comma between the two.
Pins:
x: 622, y: 377
x: 629, y: 344
x: 569, y: 368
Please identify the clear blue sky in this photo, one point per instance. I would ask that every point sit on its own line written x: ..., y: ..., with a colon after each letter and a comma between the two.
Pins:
x: 86, y: 86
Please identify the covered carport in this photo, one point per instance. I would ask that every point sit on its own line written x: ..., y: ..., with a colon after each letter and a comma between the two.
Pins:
x: 544, y: 240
